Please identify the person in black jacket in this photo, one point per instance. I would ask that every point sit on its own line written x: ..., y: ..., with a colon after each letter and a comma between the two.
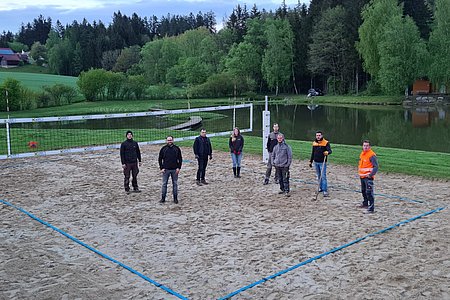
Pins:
x: 202, y: 149
x: 170, y: 161
x: 130, y: 155
x: 320, y: 150
x: 271, y: 142
x: 236, y: 144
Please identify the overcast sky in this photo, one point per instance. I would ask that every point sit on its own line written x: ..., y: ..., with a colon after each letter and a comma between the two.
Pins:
x: 14, y: 13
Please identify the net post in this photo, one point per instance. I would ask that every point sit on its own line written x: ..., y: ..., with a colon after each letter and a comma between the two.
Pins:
x: 266, y: 129
x: 8, y: 138
x: 234, y: 117
x: 251, y: 117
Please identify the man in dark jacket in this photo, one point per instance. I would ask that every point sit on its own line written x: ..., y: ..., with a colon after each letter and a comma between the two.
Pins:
x: 130, y: 155
x: 202, y: 149
x: 271, y: 142
x: 320, y: 150
x: 170, y: 161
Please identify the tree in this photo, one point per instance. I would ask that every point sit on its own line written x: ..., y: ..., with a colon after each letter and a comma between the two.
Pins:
x: 402, y: 55
x: 330, y: 52
x: 127, y: 58
x: 17, y: 46
x: 109, y: 59
x: 243, y: 63
x: 439, y: 45
x: 38, y: 53
x: 277, y: 61
x: 93, y: 84
x: 19, y: 97
x: 421, y: 14
x: 375, y: 16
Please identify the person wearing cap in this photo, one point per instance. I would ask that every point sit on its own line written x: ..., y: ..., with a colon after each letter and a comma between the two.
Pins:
x: 130, y: 154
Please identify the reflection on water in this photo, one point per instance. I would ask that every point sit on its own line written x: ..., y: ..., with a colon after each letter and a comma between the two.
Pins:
x: 420, y: 128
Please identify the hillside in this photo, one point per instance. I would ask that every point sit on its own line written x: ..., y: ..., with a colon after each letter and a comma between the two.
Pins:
x: 35, y: 81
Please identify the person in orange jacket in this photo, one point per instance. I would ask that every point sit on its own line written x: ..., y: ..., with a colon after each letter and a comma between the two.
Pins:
x: 367, y: 168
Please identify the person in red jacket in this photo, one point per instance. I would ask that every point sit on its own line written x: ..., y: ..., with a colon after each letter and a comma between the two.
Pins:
x: 368, y: 167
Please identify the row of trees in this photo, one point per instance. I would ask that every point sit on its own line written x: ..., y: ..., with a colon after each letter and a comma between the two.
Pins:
x: 337, y: 45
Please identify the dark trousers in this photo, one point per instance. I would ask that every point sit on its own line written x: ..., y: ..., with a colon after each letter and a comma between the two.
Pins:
x: 202, y: 163
x: 134, y: 170
x: 283, y: 178
x: 269, y: 168
x: 367, y: 192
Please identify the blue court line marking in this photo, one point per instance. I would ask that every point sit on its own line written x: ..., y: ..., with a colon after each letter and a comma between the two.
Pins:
x: 157, y: 284
x: 327, y: 253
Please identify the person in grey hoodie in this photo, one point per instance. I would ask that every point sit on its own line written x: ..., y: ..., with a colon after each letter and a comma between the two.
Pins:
x: 281, y: 160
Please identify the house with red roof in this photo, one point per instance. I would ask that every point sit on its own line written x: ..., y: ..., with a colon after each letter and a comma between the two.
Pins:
x: 8, y: 58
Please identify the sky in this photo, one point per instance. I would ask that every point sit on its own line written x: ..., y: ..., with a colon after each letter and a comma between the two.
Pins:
x: 14, y: 13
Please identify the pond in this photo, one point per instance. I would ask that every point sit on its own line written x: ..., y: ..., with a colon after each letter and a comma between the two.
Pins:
x: 418, y: 128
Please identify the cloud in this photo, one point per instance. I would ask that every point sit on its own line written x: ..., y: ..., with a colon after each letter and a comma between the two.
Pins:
x: 66, y: 5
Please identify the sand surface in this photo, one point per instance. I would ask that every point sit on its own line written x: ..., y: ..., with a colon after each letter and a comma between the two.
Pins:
x: 220, y: 237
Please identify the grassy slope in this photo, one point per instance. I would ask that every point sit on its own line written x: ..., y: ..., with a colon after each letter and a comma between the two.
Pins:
x: 35, y: 81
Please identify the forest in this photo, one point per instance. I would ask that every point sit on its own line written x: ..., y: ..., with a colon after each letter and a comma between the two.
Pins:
x: 340, y: 46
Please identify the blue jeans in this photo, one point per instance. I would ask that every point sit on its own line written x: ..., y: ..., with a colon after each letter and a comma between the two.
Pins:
x: 165, y: 179
x: 367, y: 192
x: 236, y: 159
x: 323, y: 182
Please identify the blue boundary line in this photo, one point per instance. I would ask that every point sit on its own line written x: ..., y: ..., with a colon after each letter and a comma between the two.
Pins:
x: 157, y: 284
x: 327, y: 253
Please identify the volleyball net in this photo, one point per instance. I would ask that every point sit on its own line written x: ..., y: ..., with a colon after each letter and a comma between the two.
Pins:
x: 25, y: 137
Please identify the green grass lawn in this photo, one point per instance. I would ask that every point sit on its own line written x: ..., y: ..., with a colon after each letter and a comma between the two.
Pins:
x: 35, y: 81
x: 409, y: 162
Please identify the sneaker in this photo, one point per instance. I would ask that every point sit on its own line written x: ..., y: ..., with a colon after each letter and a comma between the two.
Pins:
x: 175, y: 200
x: 325, y: 194
x: 136, y: 190
x: 162, y: 200
x: 204, y: 181
x: 127, y: 192
x: 198, y: 182
x: 281, y: 192
x: 368, y: 211
x: 287, y: 194
x: 266, y: 182
x: 363, y: 206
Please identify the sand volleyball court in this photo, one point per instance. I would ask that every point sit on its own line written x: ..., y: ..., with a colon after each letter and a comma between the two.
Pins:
x: 221, y: 238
